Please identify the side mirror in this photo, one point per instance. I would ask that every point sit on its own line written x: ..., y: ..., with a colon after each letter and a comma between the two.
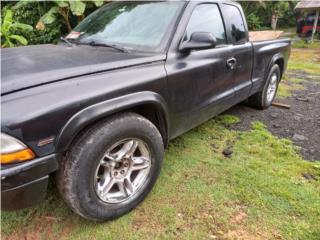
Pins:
x: 199, y: 41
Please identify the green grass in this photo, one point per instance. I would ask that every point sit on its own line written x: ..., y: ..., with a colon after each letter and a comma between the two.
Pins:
x: 287, y: 87
x: 306, y: 62
x: 304, y: 44
x: 311, y: 68
x: 257, y: 193
x: 300, y: 43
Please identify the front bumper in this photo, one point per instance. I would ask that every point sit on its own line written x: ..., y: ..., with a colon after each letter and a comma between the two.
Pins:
x: 25, y: 184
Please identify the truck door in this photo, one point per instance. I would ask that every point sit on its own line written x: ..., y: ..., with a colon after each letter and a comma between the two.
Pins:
x: 200, y: 83
x: 241, y: 50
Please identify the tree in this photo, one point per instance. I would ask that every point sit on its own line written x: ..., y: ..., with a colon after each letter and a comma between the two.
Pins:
x: 277, y: 9
x: 268, y: 14
x: 251, y: 10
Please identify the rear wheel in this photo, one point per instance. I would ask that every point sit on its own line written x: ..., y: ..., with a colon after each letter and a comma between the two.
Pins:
x: 264, y: 98
x: 111, y: 167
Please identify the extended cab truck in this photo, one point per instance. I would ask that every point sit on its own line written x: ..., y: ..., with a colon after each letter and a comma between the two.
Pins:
x: 97, y: 110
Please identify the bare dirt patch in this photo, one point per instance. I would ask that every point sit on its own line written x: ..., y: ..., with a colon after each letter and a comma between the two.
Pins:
x: 238, y: 218
x: 300, y: 123
x: 42, y: 229
x: 241, y: 234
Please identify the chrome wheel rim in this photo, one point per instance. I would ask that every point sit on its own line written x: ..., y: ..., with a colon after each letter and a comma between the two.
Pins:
x: 272, y: 88
x: 122, y: 171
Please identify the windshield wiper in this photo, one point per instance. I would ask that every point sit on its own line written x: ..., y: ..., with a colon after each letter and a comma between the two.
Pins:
x: 66, y: 41
x: 99, y: 44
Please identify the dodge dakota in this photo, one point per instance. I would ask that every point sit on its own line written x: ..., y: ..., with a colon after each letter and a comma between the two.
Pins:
x: 96, y: 111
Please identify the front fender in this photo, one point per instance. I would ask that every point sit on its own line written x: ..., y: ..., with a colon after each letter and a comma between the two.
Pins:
x: 104, y: 109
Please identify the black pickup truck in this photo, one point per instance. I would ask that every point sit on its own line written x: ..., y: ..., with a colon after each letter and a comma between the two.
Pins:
x: 97, y: 110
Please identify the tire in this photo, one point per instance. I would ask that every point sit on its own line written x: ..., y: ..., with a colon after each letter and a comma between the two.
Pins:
x: 96, y: 152
x: 262, y: 100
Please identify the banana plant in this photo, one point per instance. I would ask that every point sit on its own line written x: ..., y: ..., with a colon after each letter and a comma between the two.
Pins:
x: 9, y: 28
x: 62, y: 8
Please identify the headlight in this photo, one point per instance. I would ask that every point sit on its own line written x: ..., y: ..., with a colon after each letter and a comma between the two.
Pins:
x: 13, y: 150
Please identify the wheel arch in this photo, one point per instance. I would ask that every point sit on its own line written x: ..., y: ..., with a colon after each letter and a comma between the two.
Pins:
x: 280, y: 63
x: 279, y: 60
x: 148, y: 104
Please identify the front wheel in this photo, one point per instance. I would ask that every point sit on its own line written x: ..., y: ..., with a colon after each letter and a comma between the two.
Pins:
x: 264, y: 98
x: 112, y: 167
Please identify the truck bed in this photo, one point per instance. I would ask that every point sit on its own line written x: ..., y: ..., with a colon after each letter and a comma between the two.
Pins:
x: 264, y: 53
x: 255, y: 36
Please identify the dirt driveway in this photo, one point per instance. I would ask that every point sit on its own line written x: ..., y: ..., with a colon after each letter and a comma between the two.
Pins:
x: 300, y: 123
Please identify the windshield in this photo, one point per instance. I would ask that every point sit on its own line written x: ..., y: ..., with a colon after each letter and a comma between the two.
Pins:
x: 131, y: 25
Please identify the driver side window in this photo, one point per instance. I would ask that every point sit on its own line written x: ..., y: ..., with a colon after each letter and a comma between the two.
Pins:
x: 207, y: 18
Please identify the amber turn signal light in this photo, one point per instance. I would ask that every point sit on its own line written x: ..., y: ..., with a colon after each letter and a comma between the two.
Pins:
x: 20, y: 156
x: 13, y: 150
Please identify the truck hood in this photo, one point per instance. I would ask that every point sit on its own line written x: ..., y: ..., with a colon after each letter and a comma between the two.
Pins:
x: 25, y: 67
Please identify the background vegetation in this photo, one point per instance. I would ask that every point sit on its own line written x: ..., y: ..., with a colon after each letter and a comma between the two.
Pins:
x: 264, y: 15
x: 51, y: 19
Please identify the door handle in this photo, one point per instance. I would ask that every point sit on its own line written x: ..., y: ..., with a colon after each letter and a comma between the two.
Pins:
x: 232, y: 63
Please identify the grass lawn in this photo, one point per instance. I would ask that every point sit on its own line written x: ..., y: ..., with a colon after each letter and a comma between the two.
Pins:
x: 259, y: 192
x: 302, y: 61
x: 304, y: 44
x: 298, y: 42
x: 308, y: 61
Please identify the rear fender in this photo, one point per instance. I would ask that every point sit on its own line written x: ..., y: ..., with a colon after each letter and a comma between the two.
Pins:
x: 277, y: 57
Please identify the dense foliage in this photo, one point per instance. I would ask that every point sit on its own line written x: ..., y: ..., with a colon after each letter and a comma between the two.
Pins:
x: 262, y: 15
x: 49, y: 19
x: 52, y: 19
